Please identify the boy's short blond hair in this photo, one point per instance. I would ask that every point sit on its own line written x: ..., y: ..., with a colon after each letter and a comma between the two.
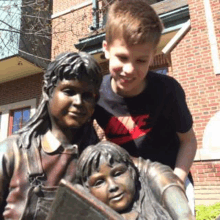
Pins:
x: 135, y: 21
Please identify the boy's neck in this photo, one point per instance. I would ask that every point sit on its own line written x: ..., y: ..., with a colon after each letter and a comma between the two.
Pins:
x: 128, y: 93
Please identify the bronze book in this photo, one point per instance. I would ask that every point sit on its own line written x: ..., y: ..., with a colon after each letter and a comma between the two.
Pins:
x: 73, y: 202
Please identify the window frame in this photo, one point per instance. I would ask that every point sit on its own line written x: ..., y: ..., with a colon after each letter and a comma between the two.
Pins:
x: 11, y: 118
x: 5, y: 110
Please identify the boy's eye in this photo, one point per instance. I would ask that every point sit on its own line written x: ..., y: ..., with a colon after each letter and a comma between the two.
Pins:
x: 118, y: 173
x: 69, y: 92
x: 123, y: 58
x: 141, y: 61
x: 98, y: 182
x: 88, y: 96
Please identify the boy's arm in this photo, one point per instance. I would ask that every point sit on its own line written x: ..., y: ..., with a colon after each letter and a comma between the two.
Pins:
x: 186, y: 154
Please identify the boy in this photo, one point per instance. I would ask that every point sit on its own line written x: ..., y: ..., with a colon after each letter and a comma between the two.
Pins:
x: 33, y: 161
x: 144, y: 112
x: 153, y: 192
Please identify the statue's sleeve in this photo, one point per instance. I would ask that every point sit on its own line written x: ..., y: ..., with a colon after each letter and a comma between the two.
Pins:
x: 168, y: 189
x: 160, y: 178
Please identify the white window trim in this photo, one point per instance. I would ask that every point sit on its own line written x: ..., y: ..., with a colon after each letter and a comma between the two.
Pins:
x: 207, y: 154
x: 5, y: 110
x: 210, y: 145
x: 212, y: 37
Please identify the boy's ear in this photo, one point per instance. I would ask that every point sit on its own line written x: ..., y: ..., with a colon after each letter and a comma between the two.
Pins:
x: 153, y: 55
x: 105, y: 49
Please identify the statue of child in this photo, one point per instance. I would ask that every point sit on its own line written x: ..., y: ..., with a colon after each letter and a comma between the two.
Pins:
x: 140, y: 191
x: 46, y: 150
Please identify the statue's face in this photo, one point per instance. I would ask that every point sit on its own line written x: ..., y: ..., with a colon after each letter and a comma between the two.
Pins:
x: 71, y: 103
x: 113, y: 185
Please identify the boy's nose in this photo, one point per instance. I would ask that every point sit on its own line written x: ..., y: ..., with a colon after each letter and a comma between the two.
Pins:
x: 112, y: 186
x: 128, y: 68
x: 77, y: 99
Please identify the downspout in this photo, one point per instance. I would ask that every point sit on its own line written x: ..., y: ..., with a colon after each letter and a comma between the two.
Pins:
x: 95, y: 14
x: 212, y: 37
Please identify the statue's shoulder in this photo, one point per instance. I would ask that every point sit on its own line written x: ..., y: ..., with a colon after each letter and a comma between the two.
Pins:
x: 9, y: 143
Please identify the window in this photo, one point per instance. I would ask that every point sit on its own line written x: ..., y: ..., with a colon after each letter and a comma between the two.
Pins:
x: 8, y: 112
x: 18, y: 119
x: 163, y: 70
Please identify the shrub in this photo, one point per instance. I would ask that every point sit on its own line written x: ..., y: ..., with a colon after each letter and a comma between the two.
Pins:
x: 207, y: 212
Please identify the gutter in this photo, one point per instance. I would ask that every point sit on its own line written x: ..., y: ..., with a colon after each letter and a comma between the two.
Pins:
x: 178, y: 36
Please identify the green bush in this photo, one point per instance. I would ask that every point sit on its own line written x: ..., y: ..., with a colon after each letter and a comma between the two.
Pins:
x: 207, y: 212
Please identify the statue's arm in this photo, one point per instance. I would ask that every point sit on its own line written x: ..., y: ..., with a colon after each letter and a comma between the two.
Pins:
x: 169, y: 191
x: 6, y: 155
x: 176, y: 204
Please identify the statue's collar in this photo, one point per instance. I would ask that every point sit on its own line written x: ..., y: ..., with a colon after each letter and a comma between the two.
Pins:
x: 51, y: 144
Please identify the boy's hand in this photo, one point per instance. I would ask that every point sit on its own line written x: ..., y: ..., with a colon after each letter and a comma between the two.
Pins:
x: 186, y: 154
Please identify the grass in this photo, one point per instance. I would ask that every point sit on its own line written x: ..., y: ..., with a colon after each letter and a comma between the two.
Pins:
x: 207, y: 212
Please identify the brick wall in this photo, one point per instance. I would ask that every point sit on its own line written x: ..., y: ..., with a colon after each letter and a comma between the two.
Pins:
x: 69, y: 28
x: 207, y: 182
x: 206, y: 173
x: 192, y: 67
x: 21, y: 89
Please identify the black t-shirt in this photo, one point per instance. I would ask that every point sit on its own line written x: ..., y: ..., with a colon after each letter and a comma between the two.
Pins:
x: 146, y: 125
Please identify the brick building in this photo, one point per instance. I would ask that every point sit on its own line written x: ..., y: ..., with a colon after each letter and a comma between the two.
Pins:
x: 25, y: 51
x: 189, y: 51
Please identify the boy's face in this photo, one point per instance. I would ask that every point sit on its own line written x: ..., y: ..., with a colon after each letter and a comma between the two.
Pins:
x: 72, y: 103
x: 113, y: 185
x: 128, y: 66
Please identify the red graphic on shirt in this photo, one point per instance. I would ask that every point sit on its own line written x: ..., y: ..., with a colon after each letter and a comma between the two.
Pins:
x: 127, y: 128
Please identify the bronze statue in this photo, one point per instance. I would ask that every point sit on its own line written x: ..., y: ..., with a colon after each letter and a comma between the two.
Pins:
x: 72, y: 201
x: 33, y: 161
x: 151, y: 192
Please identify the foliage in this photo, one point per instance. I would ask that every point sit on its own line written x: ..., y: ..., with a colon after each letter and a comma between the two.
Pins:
x: 207, y: 212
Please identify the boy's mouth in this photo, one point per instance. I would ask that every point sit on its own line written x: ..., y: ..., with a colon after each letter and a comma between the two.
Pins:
x: 77, y: 113
x: 117, y: 197
x: 126, y: 79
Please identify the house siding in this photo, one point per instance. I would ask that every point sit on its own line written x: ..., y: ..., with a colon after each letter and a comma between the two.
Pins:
x: 21, y: 89
x: 69, y: 28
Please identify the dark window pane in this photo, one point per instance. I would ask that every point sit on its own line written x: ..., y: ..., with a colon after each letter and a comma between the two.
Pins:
x: 163, y: 70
